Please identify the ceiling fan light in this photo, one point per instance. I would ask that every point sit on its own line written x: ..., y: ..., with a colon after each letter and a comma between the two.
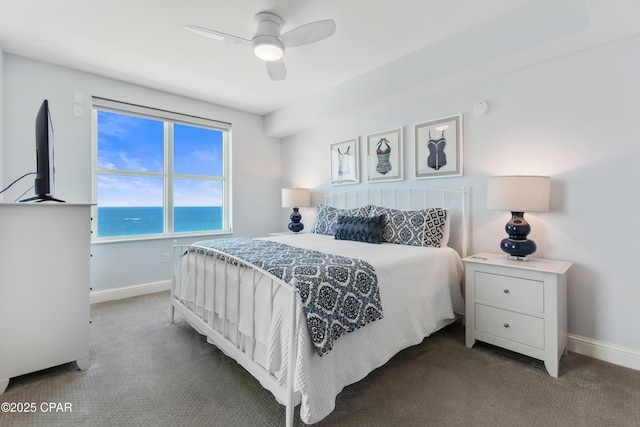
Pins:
x: 268, y: 48
x: 268, y: 52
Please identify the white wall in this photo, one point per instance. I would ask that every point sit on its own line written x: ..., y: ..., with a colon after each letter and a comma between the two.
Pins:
x: 575, y: 119
x: 255, y: 158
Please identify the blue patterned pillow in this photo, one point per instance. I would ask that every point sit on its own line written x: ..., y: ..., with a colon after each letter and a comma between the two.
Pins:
x: 435, y: 228
x: 327, y: 219
x: 423, y: 227
x: 360, y: 229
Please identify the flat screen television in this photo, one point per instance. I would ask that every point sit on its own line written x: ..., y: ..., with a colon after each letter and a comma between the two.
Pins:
x: 45, y: 181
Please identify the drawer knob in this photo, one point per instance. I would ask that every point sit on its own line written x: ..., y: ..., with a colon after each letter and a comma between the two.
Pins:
x: 506, y: 291
x: 506, y: 325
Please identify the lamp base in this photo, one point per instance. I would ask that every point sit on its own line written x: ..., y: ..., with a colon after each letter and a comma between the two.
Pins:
x: 518, y: 258
x: 517, y: 245
x: 295, y: 225
x: 518, y: 249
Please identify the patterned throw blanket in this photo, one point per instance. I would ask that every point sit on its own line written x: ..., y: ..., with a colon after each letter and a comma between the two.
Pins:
x: 338, y: 294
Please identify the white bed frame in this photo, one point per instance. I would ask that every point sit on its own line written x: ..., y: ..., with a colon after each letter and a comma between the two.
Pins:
x: 401, y: 198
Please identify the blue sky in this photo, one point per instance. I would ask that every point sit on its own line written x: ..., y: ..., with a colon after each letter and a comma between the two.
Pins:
x: 137, y: 144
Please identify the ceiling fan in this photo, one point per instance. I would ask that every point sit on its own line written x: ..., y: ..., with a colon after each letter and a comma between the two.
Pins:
x: 269, y: 44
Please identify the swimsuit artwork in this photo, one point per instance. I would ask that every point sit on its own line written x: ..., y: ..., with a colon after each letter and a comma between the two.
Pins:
x: 437, y: 157
x: 384, y: 165
x: 344, y: 165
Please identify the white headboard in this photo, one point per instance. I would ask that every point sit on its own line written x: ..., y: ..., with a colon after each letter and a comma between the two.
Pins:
x: 455, y: 200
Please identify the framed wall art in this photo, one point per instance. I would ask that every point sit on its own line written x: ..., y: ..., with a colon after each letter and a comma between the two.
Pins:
x: 438, y: 145
x: 384, y: 156
x: 344, y: 162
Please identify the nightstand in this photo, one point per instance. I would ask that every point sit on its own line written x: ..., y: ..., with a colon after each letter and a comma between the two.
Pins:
x: 518, y: 305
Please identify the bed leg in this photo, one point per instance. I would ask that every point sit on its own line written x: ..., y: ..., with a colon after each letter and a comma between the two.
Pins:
x: 173, y: 279
x: 290, y: 409
x: 291, y: 357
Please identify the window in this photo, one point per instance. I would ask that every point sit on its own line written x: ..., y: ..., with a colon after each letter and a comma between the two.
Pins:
x: 158, y: 173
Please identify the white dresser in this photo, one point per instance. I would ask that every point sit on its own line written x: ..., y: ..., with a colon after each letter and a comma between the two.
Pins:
x: 44, y: 286
x: 518, y: 305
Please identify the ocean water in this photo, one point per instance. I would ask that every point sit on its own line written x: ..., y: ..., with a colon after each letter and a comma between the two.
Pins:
x: 128, y: 221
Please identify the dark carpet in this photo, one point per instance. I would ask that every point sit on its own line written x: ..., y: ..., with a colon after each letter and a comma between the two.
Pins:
x: 146, y: 371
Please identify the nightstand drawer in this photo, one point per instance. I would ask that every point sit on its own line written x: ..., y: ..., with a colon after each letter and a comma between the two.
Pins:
x: 510, y: 291
x: 520, y: 328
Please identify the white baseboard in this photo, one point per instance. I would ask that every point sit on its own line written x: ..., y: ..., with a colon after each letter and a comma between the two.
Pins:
x: 128, y: 291
x: 604, y: 351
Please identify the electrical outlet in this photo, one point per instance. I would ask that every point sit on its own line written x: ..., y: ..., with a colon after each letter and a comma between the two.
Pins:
x: 166, y: 257
x: 78, y: 111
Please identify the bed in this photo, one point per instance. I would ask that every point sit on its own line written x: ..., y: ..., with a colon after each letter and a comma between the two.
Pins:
x: 263, y: 321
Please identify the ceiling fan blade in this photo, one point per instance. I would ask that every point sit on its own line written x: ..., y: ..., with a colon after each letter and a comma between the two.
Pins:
x: 276, y: 70
x: 309, y: 33
x: 217, y: 35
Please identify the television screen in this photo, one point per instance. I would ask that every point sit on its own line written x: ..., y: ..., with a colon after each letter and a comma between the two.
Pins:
x: 45, y: 165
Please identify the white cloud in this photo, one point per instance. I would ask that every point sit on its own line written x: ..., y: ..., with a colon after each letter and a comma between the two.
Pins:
x: 195, y: 192
x: 116, y: 190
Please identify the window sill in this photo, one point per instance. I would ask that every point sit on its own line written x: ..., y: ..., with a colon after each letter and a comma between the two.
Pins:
x: 123, y: 239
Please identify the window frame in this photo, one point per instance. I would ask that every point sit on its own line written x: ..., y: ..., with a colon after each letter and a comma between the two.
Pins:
x: 168, y: 118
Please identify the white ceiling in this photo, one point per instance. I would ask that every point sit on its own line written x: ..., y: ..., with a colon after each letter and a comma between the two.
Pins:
x: 144, y: 42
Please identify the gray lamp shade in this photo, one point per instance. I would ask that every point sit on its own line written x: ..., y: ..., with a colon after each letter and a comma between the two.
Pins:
x: 519, y: 193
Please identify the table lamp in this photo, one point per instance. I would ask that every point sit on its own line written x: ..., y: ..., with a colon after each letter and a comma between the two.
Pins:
x: 518, y: 194
x: 295, y: 198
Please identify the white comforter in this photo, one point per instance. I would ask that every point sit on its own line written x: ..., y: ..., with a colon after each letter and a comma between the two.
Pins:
x: 419, y: 291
